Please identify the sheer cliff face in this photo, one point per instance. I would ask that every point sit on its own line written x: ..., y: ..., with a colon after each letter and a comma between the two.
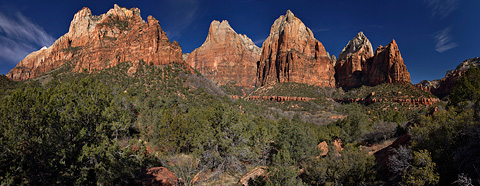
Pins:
x: 226, y: 57
x: 99, y: 42
x: 292, y: 54
x: 357, y: 65
x: 352, y: 61
x: 387, y: 66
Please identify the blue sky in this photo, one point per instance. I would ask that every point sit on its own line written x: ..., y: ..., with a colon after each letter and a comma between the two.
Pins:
x: 433, y: 35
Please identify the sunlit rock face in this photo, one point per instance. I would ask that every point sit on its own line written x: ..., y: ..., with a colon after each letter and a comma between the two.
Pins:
x: 226, y: 57
x: 292, y: 54
x: 99, y: 42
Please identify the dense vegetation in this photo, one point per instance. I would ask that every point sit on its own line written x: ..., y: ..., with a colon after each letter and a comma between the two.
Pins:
x: 107, y: 127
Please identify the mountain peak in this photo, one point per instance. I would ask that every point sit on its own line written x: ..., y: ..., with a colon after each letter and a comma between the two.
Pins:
x: 291, y: 53
x: 359, y: 43
x: 96, y: 42
x: 226, y: 57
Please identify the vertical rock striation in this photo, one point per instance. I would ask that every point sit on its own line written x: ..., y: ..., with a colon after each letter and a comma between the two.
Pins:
x: 226, y: 57
x: 352, y: 61
x: 99, y: 42
x: 357, y: 65
x: 292, y: 54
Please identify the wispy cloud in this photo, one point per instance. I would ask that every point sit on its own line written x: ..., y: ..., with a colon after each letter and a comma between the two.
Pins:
x: 186, y: 12
x: 443, y: 40
x: 442, y: 8
x: 259, y: 42
x: 19, y: 36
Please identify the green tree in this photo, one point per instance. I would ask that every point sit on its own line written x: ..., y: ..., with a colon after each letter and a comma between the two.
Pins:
x: 422, y: 171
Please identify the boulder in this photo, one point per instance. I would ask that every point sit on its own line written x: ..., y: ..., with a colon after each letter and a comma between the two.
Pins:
x: 252, y: 175
x: 159, y: 176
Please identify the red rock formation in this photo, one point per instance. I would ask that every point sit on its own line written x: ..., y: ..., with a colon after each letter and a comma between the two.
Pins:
x: 159, y: 176
x: 323, y: 147
x: 279, y: 98
x: 226, y: 57
x: 357, y: 65
x: 252, y: 175
x: 443, y: 87
x: 415, y: 101
x: 99, y: 42
x: 292, y: 54
x: 387, y: 66
x: 350, y: 65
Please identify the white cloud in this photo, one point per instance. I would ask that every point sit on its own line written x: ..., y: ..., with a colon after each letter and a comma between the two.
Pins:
x: 19, y: 37
x: 442, y: 8
x: 259, y: 42
x: 443, y: 40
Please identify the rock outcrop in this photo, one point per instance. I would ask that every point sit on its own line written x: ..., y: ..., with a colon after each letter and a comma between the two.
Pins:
x: 292, y: 54
x: 402, y: 101
x: 159, y: 176
x: 352, y: 61
x: 226, y: 57
x: 387, y: 66
x: 280, y: 98
x: 443, y: 87
x: 357, y: 65
x: 249, y: 178
x: 99, y: 42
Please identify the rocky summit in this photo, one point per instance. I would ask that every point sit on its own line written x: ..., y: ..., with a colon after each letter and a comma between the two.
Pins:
x: 292, y: 54
x: 444, y: 86
x: 387, y: 66
x: 99, y: 42
x: 357, y: 65
x: 226, y: 57
x: 352, y: 61
x: 289, y: 54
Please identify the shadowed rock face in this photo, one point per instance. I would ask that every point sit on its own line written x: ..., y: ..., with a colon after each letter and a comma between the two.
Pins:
x: 357, y: 65
x: 352, y: 61
x: 292, y: 54
x: 226, y: 57
x: 443, y: 87
x: 99, y: 42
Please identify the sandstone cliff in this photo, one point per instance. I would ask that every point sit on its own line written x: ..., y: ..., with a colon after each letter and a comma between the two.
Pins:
x: 99, y: 42
x: 387, y: 66
x: 357, y: 65
x: 443, y: 87
x: 352, y: 61
x: 292, y: 54
x: 226, y: 57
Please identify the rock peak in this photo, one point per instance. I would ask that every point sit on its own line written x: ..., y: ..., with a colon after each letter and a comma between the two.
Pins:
x: 292, y: 54
x: 359, y: 43
x: 96, y: 42
x: 226, y: 57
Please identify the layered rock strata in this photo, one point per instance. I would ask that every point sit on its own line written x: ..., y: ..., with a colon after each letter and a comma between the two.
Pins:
x: 99, y: 42
x: 226, y: 57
